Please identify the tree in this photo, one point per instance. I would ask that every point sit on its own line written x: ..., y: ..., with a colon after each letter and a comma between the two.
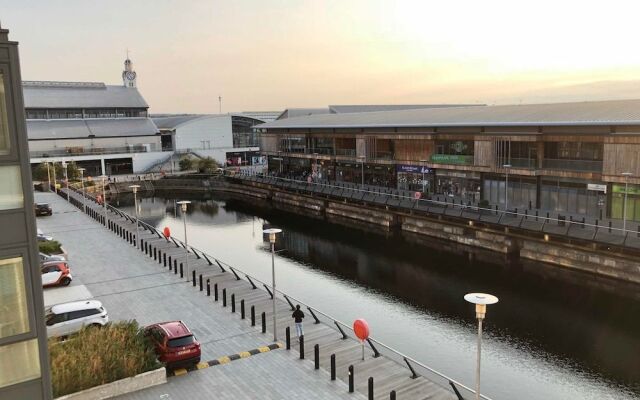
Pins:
x: 72, y: 171
x: 207, y: 165
x: 39, y: 172
x: 186, y: 163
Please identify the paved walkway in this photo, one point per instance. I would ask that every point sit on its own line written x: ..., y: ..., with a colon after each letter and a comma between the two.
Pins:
x: 133, y: 286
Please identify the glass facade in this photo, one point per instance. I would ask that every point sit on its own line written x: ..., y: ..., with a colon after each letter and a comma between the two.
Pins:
x: 19, y: 362
x: 14, y: 315
x: 11, y: 195
x: 633, y: 202
x: 571, y: 197
x: 522, y: 191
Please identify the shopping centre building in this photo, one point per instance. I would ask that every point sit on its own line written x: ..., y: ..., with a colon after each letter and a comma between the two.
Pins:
x: 575, y: 158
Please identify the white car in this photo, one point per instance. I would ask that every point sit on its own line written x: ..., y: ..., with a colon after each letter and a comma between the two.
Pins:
x: 67, y: 318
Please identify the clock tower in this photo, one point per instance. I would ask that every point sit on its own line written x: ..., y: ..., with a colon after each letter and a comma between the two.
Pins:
x: 128, y: 75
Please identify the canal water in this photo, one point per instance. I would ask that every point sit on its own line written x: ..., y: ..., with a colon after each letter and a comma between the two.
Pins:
x: 553, y: 335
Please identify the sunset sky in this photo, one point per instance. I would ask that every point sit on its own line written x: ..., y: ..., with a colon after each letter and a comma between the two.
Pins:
x: 270, y: 55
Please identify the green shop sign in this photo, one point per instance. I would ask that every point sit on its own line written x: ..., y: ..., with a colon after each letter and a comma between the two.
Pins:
x: 451, y: 159
x: 633, y: 189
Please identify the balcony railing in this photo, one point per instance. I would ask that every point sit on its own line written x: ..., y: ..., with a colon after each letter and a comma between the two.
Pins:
x: 90, y: 151
x: 572, y: 165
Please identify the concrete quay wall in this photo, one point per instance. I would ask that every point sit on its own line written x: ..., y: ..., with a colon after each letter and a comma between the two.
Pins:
x: 516, y: 244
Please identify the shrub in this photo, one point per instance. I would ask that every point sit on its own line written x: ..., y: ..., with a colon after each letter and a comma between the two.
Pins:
x: 186, y: 163
x: 96, y: 356
x: 50, y: 247
x: 207, y: 165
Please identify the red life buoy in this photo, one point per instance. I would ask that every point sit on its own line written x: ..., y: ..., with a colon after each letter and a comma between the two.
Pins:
x: 361, y: 328
x: 166, y: 232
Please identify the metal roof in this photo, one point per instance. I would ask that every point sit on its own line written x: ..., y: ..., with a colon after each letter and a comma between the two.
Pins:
x: 341, y: 109
x: 300, y: 112
x: 612, y: 112
x: 82, y: 128
x: 41, y: 94
x: 171, y: 122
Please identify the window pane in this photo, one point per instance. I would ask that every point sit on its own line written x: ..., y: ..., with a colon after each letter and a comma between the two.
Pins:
x: 19, y: 362
x: 14, y: 316
x: 11, y: 188
x: 4, y: 125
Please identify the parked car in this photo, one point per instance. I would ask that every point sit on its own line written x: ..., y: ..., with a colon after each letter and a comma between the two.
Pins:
x: 174, y: 343
x: 42, y: 209
x: 67, y: 318
x: 56, y: 273
x: 42, y: 237
x: 44, y: 258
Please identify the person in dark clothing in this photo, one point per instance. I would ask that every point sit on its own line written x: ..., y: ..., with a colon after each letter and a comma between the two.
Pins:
x: 298, y: 316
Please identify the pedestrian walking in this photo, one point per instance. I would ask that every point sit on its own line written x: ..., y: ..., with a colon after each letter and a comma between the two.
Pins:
x: 298, y: 316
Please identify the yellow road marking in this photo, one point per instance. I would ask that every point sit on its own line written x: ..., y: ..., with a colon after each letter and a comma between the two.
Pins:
x: 180, y: 371
x: 244, y: 354
x: 263, y: 349
x: 224, y: 360
x: 202, y: 365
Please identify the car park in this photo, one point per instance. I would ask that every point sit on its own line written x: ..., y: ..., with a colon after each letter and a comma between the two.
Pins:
x: 67, y: 318
x: 51, y: 257
x: 42, y: 209
x: 174, y: 343
x: 56, y: 273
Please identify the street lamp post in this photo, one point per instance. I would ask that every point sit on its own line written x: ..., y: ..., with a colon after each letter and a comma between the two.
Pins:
x: 135, y: 206
x: 624, y: 208
x: 272, y: 239
x: 48, y: 175
x: 481, y: 300
x: 55, y: 188
x: 506, y: 186
x: 362, y: 166
x: 66, y: 179
x: 84, y: 204
x: 424, y: 162
x: 104, y: 197
x: 183, y: 208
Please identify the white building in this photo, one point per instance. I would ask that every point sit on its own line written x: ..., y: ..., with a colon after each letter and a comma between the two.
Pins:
x: 227, y: 138
x: 103, y: 128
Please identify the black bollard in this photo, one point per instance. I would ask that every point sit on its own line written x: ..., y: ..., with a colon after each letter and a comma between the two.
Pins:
x: 175, y: 267
x: 224, y: 297
x: 164, y: 259
x: 233, y: 302
x: 200, y: 281
x: 392, y: 395
x: 193, y: 277
x: 215, y: 292
x: 208, y: 288
x: 333, y: 367
x: 155, y: 254
x: 316, y: 356
x: 181, y: 271
x: 351, y: 377
x: 370, y: 388
x: 242, y: 309
x: 264, y: 322
x: 253, y: 316
x: 287, y: 332
x: 301, y: 340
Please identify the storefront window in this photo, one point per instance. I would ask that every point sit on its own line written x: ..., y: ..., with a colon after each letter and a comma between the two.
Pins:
x: 11, y: 195
x: 572, y: 197
x: 458, y: 185
x: 4, y: 124
x: 19, y: 362
x: 14, y: 315
x: 633, y: 202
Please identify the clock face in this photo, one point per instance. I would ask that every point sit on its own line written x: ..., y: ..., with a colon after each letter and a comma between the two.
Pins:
x: 130, y: 75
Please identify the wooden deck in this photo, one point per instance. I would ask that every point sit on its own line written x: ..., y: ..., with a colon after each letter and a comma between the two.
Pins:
x: 388, y: 374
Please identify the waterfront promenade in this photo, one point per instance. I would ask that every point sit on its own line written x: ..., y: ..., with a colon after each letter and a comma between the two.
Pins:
x: 132, y: 284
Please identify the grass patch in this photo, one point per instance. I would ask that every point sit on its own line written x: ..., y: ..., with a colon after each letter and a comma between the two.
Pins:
x: 50, y: 247
x: 96, y: 356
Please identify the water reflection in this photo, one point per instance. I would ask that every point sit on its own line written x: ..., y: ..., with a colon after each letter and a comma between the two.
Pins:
x: 554, y: 334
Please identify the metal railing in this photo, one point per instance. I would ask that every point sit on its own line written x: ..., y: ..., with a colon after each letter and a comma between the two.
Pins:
x: 89, y: 151
x: 395, y: 355
x: 480, y: 212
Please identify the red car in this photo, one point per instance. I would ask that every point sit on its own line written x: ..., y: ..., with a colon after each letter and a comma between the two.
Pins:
x: 174, y: 343
x: 56, y: 273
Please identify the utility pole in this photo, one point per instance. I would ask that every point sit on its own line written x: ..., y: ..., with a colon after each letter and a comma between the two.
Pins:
x: 220, y: 104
